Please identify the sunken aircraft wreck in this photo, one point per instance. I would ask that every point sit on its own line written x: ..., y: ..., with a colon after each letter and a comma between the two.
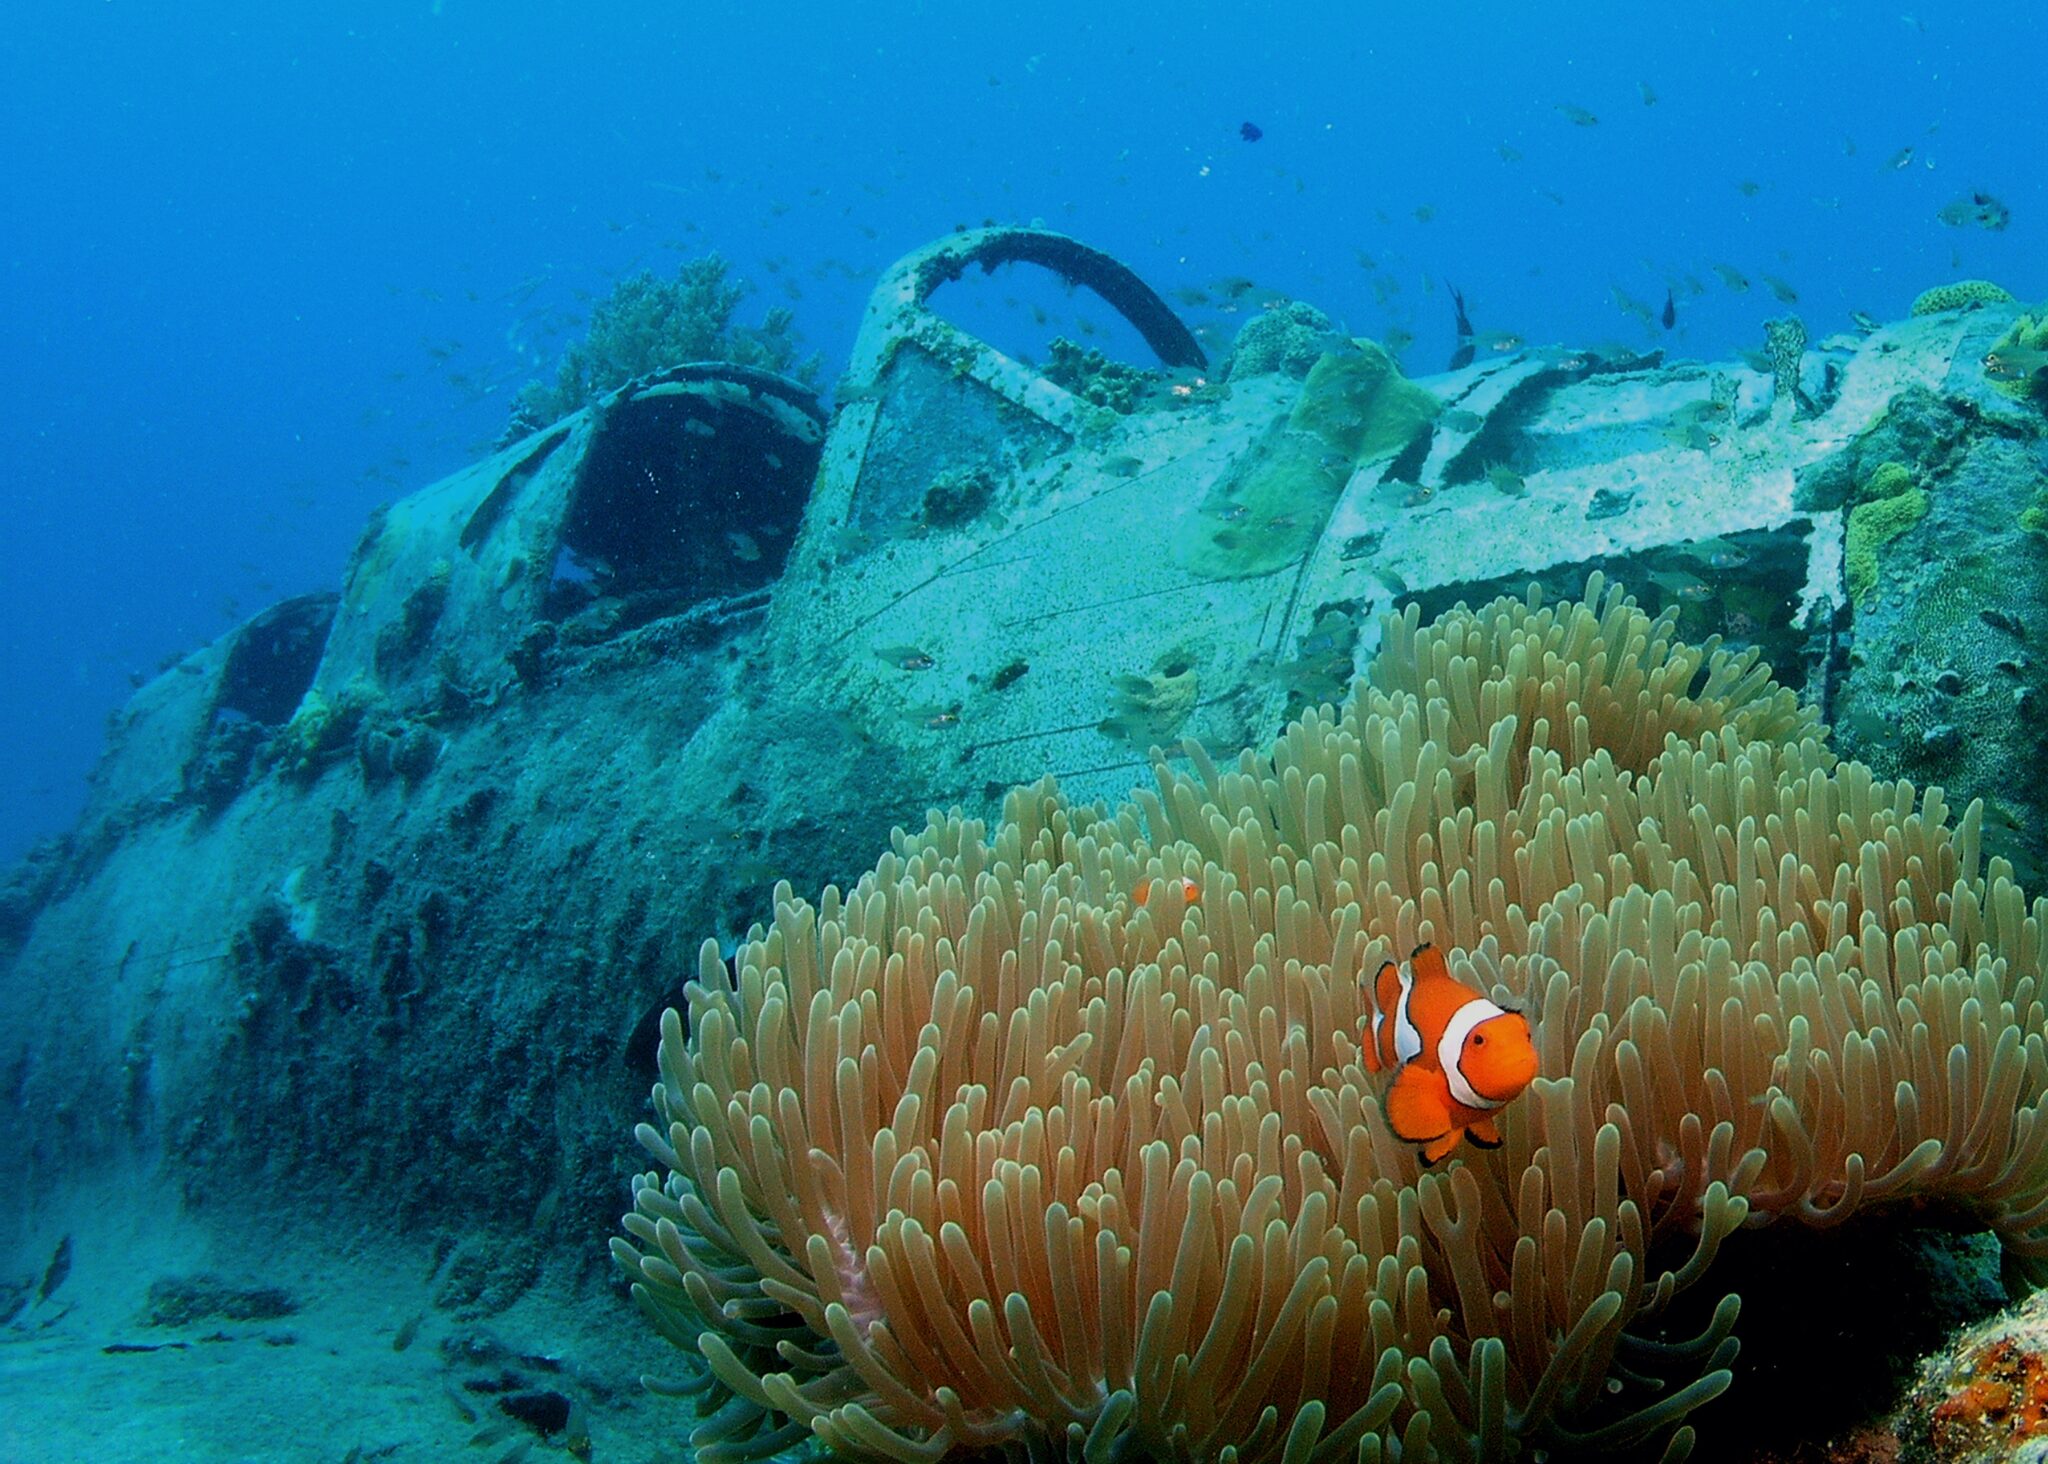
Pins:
x: 379, y: 896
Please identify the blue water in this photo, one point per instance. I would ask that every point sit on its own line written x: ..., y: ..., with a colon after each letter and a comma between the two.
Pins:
x: 269, y: 264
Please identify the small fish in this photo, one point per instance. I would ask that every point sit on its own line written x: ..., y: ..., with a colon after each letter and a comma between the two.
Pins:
x: 1864, y: 321
x: 2015, y: 363
x: 1460, y: 1057
x: 1425, y: 212
x: 1577, y: 116
x: 935, y: 716
x: 1190, y: 892
x: 906, y: 658
x: 744, y: 547
x: 1507, y: 480
x: 1900, y: 160
x: 1629, y: 304
x: 1509, y: 154
x: 1872, y: 728
x: 1680, y: 585
x: 1333, y: 632
x: 1500, y: 341
x: 1781, y: 289
x: 1250, y: 131
x: 1731, y: 277
x: 1976, y: 209
x: 1749, y: 188
x: 1460, y: 420
x: 1649, y: 97
x: 1717, y: 553
x: 1670, y: 316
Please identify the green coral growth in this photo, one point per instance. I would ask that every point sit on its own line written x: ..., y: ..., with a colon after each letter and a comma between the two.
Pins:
x: 1360, y: 404
x: 1356, y: 406
x: 1890, y: 480
x: 648, y: 323
x: 1873, y: 525
x: 1093, y: 377
x: 1961, y: 295
x: 2034, y: 517
x: 321, y: 729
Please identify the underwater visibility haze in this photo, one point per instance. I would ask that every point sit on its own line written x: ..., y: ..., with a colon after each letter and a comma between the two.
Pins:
x: 1279, y: 733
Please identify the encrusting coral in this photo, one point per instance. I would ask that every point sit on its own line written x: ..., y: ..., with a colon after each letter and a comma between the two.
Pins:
x: 981, y: 1153
x: 1960, y: 295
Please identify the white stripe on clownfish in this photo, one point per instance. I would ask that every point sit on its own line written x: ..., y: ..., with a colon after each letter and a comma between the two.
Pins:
x: 1407, y: 1036
x: 1451, y: 1047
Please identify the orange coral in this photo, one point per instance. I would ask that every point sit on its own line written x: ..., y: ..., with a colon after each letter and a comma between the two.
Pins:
x: 2001, y: 1395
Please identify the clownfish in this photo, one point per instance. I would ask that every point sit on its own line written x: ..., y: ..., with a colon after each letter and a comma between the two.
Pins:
x: 1190, y: 892
x: 1461, y: 1057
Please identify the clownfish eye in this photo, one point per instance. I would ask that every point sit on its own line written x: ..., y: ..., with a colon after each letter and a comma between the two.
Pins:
x: 1478, y: 1039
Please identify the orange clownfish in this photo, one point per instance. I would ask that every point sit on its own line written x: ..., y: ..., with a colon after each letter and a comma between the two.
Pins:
x: 1190, y: 892
x: 1461, y: 1057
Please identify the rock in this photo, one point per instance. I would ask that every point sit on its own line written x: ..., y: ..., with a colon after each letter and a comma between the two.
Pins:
x: 1941, y: 737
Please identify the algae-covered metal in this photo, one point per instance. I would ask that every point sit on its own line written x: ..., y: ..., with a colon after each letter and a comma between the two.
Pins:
x: 583, y: 703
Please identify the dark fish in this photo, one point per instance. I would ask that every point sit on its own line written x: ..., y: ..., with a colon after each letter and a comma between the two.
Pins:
x: 1462, y: 356
x: 1250, y: 131
x: 1670, y: 315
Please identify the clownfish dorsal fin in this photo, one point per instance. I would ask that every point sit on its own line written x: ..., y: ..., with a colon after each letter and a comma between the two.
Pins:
x: 1428, y: 964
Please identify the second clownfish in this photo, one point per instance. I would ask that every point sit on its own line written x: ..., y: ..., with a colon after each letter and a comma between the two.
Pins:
x: 1462, y: 1058
x: 1190, y: 892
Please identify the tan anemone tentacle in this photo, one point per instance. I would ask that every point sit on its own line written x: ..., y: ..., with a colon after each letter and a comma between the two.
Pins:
x: 981, y: 1154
